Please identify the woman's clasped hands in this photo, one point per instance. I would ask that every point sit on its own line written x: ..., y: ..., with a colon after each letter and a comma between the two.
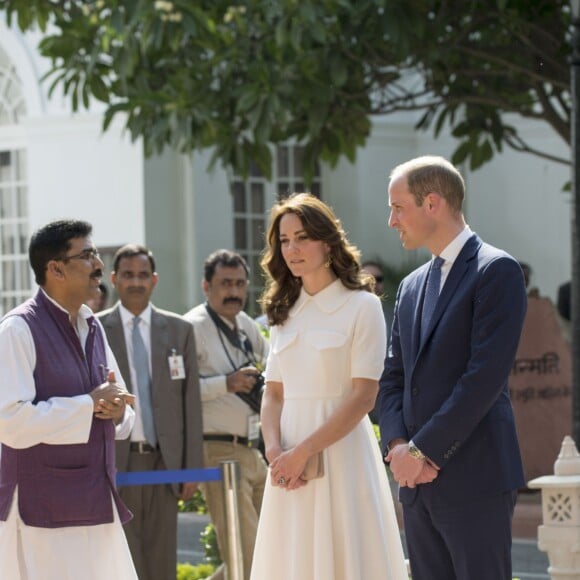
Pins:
x: 287, y: 467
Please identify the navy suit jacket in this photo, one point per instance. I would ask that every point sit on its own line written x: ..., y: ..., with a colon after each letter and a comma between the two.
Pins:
x: 449, y: 393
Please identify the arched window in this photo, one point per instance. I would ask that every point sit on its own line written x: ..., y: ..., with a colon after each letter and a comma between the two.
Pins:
x: 15, y: 278
x: 12, y: 103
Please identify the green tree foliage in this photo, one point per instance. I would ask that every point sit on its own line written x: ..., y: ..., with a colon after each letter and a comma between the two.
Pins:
x: 239, y: 75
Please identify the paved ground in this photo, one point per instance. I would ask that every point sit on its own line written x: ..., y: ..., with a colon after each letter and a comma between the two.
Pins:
x: 528, y: 562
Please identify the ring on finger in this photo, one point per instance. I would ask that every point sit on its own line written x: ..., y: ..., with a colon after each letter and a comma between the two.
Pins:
x: 282, y: 481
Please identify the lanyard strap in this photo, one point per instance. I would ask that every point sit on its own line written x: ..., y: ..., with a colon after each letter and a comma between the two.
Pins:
x: 232, y: 336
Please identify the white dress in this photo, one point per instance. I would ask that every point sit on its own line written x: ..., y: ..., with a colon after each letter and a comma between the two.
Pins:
x: 343, y: 525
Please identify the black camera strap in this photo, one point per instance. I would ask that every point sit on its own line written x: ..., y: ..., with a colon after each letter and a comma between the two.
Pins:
x: 233, y: 337
x: 254, y: 398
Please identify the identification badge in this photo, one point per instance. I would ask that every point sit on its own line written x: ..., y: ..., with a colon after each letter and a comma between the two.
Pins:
x: 176, y: 367
x: 254, y: 429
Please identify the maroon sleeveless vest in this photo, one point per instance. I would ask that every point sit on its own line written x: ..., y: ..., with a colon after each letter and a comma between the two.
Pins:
x: 62, y: 485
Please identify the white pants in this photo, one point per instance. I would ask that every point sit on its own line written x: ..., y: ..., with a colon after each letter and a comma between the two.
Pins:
x: 88, y: 552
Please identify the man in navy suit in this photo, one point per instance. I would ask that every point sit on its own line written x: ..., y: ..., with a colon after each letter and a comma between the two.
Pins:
x: 447, y: 424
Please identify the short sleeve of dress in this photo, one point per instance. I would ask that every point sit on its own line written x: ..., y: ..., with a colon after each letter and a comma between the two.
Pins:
x: 370, y: 339
x: 272, y: 367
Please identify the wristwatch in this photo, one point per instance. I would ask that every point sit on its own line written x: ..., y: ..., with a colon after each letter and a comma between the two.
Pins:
x: 415, y: 452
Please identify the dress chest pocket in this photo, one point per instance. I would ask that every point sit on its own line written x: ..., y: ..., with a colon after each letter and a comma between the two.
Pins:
x: 330, y: 360
x: 283, y: 341
x: 323, y: 340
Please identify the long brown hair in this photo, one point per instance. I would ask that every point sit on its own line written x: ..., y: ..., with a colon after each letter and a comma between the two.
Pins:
x: 319, y: 223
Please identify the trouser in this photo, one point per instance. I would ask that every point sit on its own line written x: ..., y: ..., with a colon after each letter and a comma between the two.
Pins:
x: 470, y: 540
x: 152, y: 533
x: 253, y: 473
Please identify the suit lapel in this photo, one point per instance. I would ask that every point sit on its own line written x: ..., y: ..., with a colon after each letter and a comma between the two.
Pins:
x: 458, y: 271
x: 116, y: 337
x: 160, y: 348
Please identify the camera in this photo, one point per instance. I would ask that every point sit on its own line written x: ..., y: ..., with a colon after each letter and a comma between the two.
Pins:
x: 254, y: 397
x: 260, y: 382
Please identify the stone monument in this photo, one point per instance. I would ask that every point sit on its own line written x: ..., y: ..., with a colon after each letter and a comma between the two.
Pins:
x: 541, y: 387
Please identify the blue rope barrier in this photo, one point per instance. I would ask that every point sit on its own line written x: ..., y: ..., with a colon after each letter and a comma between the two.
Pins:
x: 168, y: 476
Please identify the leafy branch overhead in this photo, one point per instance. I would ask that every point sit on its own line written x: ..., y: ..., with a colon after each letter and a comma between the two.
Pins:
x: 239, y: 77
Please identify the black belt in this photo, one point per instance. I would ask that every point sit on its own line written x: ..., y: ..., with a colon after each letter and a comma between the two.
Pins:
x: 229, y: 438
x: 142, y: 447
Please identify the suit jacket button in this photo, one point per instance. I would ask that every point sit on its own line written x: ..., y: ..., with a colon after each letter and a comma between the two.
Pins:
x: 414, y: 391
x: 411, y: 429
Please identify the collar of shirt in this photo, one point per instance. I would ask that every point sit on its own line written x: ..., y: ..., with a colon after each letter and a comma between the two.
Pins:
x: 233, y: 325
x: 450, y: 253
x: 82, y: 328
x: 127, y: 317
x: 328, y: 300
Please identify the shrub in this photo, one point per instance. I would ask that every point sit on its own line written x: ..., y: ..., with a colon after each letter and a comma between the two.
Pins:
x: 196, y: 504
x: 210, y: 546
x: 188, y: 572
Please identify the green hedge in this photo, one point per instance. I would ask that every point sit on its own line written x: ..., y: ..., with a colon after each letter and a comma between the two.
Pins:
x: 189, y: 572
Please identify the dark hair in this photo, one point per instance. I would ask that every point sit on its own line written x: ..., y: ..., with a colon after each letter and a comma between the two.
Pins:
x: 432, y: 174
x: 527, y: 271
x: 52, y: 242
x: 319, y: 223
x: 225, y: 258
x: 130, y: 251
x: 377, y: 265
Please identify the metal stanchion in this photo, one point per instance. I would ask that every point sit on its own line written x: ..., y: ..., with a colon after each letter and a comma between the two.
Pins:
x: 234, y: 569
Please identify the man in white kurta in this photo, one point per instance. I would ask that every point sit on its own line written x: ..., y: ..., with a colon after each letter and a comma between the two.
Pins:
x: 92, y: 552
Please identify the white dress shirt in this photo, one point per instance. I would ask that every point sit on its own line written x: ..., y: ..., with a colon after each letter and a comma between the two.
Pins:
x: 450, y: 253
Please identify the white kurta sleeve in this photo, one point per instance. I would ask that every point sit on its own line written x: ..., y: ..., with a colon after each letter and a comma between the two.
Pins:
x: 123, y: 429
x: 59, y: 420
x: 370, y: 340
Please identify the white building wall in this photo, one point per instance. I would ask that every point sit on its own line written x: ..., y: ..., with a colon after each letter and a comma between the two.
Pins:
x: 514, y: 202
x: 517, y: 202
x: 74, y: 170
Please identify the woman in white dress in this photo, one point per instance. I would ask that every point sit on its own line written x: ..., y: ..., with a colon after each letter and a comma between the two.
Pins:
x: 326, y: 356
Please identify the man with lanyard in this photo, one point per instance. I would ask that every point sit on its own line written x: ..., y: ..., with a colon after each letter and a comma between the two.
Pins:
x: 230, y: 348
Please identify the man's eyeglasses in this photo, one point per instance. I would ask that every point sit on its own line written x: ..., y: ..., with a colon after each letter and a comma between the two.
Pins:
x: 88, y: 254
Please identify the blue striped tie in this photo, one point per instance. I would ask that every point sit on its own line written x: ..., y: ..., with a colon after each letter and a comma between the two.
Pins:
x: 431, y: 294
